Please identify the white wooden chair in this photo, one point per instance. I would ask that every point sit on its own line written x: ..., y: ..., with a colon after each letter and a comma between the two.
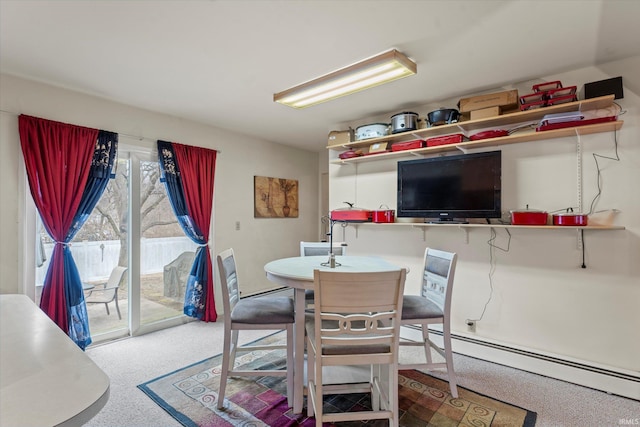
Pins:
x: 322, y: 248
x: 259, y: 313
x: 356, y: 322
x: 108, y: 292
x: 433, y: 306
x: 318, y: 249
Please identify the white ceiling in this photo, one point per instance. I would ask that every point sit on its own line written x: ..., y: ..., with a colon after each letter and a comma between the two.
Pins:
x: 220, y: 62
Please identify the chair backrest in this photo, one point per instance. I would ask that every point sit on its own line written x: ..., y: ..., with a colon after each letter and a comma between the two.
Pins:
x: 228, y: 281
x: 322, y: 248
x: 358, y: 313
x: 437, y: 280
x: 116, y: 276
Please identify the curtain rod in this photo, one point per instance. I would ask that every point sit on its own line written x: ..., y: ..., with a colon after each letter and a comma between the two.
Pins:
x: 139, y: 138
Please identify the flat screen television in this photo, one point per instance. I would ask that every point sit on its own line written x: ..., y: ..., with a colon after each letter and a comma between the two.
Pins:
x: 451, y: 188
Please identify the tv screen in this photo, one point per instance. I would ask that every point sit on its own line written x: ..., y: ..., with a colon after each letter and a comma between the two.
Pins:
x: 451, y: 188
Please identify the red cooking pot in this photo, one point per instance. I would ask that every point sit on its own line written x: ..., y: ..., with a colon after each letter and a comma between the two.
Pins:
x: 570, y: 218
x: 351, y: 214
x: 529, y: 217
x: 383, y: 215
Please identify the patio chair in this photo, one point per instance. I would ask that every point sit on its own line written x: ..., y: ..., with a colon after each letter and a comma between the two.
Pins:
x: 108, y: 292
x: 257, y: 313
x: 356, y: 323
x: 433, y: 306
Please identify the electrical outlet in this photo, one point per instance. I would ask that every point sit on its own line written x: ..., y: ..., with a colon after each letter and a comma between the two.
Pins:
x: 471, y: 325
x: 237, y: 225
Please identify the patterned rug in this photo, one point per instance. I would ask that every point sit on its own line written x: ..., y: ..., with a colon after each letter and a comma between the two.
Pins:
x: 190, y: 395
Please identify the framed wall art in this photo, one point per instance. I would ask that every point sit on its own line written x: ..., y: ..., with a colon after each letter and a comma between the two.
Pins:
x: 275, y: 197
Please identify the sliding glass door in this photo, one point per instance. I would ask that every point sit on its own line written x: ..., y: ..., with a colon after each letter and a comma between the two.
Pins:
x: 132, y: 231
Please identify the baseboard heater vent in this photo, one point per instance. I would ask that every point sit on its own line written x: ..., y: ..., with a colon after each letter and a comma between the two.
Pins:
x: 538, y: 356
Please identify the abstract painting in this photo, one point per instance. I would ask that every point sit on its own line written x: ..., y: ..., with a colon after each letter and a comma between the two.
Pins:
x: 275, y: 197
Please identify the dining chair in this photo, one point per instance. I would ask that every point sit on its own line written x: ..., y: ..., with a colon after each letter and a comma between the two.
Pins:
x: 433, y: 306
x: 108, y: 292
x: 256, y: 313
x: 317, y: 249
x: 356, y: 321
x: 322, y: 248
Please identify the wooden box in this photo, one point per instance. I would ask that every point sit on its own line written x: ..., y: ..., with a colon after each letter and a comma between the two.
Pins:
x: 508, y: 98
x: 486, y: 112
x: 340, y: 137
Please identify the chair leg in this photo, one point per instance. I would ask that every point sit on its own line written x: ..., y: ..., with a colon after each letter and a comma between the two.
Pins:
x: 427, y: 342
x: 451, y: 375
x: 374, y: 371
x: 311, y: 378
x: 118, y: 308
x: 227, y: 360
x: 393, y: 395
x: 233, y: 349
x: 107, y: 307
x: 319, y: 398
x: 290, y: 365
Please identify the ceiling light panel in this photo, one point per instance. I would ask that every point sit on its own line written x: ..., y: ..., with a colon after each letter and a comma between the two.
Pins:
x: 383, y: 68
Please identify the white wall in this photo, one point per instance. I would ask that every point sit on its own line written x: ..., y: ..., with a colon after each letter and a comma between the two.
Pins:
x: 258, y: 240
x: 542, y: 300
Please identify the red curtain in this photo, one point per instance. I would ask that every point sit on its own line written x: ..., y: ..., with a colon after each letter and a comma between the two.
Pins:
x: 197, y: 169
x: 57, y: 158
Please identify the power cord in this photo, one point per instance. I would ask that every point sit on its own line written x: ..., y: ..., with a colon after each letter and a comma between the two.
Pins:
x: 599, y: 172
x: 492, y: 268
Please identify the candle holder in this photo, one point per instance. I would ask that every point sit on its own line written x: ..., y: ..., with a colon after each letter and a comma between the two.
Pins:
x: 331, y: 262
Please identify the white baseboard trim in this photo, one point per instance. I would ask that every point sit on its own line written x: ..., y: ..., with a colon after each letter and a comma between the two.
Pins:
x: 606, y: 379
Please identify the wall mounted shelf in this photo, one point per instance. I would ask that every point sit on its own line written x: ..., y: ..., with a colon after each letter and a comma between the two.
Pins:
x: 467, y: 227
x: 527, y: 227
x: 491, y: 122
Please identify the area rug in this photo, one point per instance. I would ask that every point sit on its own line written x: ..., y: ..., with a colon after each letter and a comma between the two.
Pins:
x: 190, y: 396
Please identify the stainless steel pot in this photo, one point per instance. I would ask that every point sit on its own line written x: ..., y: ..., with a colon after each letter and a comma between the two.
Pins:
x: 404, y: 122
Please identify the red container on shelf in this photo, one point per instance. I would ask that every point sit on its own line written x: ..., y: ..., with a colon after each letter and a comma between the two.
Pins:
x: 533, y: 105
x: 543, y: 87
x: 532, y: 97
x: 570, y: 124
x: 529, y: 217
x: 571, y: 219
x: 445, y: 139
x: 563, y: 91
x: 562, y: 99
x: 407, y: 145
x: 383, y: 215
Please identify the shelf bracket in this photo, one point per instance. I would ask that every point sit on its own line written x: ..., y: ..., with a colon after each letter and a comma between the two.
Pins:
x: 355, y: 228
x: 466, y: 234
x: 424, y: 232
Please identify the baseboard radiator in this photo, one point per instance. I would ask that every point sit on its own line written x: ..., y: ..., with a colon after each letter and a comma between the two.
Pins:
x: 581, y: 373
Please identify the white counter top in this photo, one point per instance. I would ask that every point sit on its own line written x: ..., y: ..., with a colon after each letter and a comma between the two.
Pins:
x: 45, y: 378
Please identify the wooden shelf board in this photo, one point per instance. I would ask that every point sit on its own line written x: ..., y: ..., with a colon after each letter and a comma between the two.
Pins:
x: 491, y: 122
x: 490, y: 142
x: 533, y: 227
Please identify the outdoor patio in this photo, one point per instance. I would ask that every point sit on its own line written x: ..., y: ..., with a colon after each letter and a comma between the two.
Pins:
x: 155, y: 306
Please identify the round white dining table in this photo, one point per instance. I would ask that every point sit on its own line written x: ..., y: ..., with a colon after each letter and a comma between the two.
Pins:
x: 297, y: 273
x: 45, y: 378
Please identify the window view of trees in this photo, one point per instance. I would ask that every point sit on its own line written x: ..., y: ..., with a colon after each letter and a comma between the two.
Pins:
x: 108, y: 221
x: 103, y: 243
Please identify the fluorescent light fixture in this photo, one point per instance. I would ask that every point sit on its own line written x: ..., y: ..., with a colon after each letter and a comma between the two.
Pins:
x: 383, y: 68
